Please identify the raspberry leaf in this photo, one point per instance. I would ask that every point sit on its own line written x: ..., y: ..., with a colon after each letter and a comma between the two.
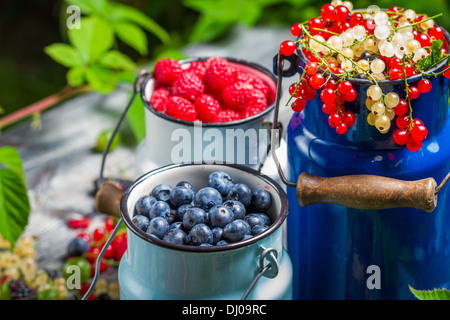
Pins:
x: 435, y: 294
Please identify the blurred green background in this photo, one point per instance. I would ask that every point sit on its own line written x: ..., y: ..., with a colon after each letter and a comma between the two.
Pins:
x: 28, y: 74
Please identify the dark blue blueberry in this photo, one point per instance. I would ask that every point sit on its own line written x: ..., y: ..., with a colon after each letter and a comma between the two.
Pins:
x: 221, y: 181
x: 144, y: 205
x: 236, y: 230
x: 206, y: 245
x: 176, y: 225
x: 158, y: 226
x: 221, y: 242
x: 258, y: 229
x: 194, y: 216
x: 172, y: 215
x: 176, y: 236
x: 247, y: 236
x: 236, y: 207
x: 257, y: 219
x: 217, y: 234
x: 160, y: 209
x: 240, y: 192
x: 220, y: 216
x: 181, y: 210
x: 261, y: 200
x: 207, y: 197
x: 185, y: 184
x: 141, y: 222
x: 161, y: 192
x: 77, y: 247
x: 181, y: 195
x: 201, y: 233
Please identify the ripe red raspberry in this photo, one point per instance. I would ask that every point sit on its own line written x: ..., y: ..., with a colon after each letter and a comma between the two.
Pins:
x: 198, y: 67
x: 235, y: 95
x: 181, y: 108
x: 257, y: 83
x: 166, y: 71
x: 212, y: 60
x: 159, y: 99
x: 256, y: 99
x: 252, y: 110
x: 188, y: 85
x: 207, y: 107
x: 217, y: 77
x: 227, y: 116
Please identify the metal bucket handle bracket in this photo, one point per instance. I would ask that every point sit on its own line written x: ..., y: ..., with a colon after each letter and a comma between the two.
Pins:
x: 367, y: 192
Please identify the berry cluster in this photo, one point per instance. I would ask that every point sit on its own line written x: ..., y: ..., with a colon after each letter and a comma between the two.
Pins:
x: 373, y: 44
x: 221, y: 212
x: 210, y: 91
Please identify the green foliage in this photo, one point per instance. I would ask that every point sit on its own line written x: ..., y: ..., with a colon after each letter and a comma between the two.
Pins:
x: 435, y: 294
x: 14, y: 202
x: 433, y: 58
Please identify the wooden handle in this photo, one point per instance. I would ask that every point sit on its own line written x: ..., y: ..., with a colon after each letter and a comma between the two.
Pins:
x: 107, y: 199
x: 367, y: 192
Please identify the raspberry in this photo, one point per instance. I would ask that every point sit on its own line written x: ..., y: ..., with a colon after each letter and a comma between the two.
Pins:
x: 188, y: 85
x: 181, y: 108
x: 159, y: 99
x: 235, y: 95
x: 256, y: 99
x: 217, y: 77
x: 252, y: 110
x: 207, y: 107
x: 227, y: 116
x: 212, y: 60
x: 198, y: 67
x: 166, y: 71
x: 249, y: 78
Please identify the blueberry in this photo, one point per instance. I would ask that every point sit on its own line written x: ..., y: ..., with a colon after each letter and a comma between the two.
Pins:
x: 141, y: 222
x: 144, y: 205
x: 181, y: 210
x: 217, y: 234
x: 158, y: 226
x: 261, y: 200
x: 77, y: 247
x: 221, y: 181
x: 194, y: 216
x: 205, y: 245
x: 247, y: 236
x: 181, y: 195
x: 257, y: 219
x: 185, y: 184
x: 176, y: 225
x: 161, y: 192
x: 240, y: 192
x: 176, y: 236
x: 258, y: 229
x: 207, y: 197
x: 201, y: 233
x: 221, y: 242
x: 160, y: 209
x: 236, y: 207
x: 236, y: 230
x: 220, y: 216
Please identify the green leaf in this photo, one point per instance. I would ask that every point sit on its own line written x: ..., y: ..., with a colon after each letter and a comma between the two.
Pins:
x: 133, y: 36
x: 76, y: 76
x: 433, y: 58
x: 136, y: 119
x: 14, y: 202
x: 93, y: 39
x: 64, y: 54
x: 435, y: 294
x: 117, y: 60
x: 101, y: 79
x: 123, y: 13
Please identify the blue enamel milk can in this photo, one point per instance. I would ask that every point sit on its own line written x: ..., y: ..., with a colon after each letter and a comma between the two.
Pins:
x: 354, y: 250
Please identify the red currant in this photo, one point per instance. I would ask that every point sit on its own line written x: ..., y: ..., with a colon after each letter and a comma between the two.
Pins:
x: 331, y: 83
x: 350, y: 95
x: 409, y: 69
x: 341, y: 128
x: 120, y: 245
x: 394, y: 62
x: 413, y: 145
x: 402, y: 108
x: 424, y: 85
x: 298, y: 105
x: 402, y: 122
x: 349, y: 118
x: 296, y: 29
x: 447, y: 73
x: 436, y: 32
x: 413, y: 92
x: 84, y: 235
x: 314, y: 24
x: 345, y: 86
x: 395, y: 73
x: 109, y: 252
x: 424, y: 39
x: 308, y: 93
x: 419, y: 132
x: 287, y: 47
x: 98, y: 234
x: 294, y: 90
x: 109, y: 224
x: 329, y: 108
x: 92, y: 254
x: 317, y: 80
x: 327, y: 12
x: 328, y: 95
x: 395, y: 9
x: 311, y: 68
x: 370, y: 25
x: 334, y: 119
x: 400, y: 136
x: 356, y: 18
x: 342, y: 26
x: 341, y: 13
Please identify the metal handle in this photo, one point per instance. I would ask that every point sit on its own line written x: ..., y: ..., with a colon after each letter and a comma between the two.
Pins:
x: 357, y: 191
